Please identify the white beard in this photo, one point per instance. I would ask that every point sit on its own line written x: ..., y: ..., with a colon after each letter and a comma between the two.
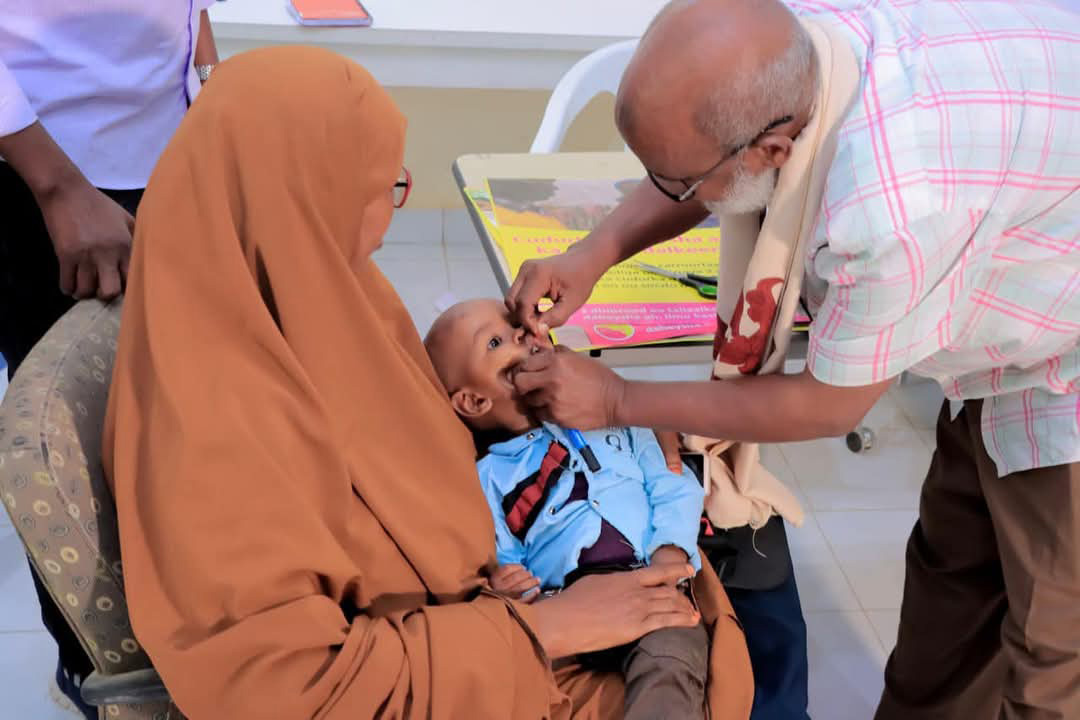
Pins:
x: 748, y: 193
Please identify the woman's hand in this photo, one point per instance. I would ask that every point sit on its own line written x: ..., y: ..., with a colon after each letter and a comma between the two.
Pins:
x: 604, y: 611
x: 570, y: 389
x: 515, y: 582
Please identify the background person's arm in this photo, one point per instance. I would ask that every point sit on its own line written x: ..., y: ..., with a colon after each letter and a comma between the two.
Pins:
x: 90, y: 233
x: 205, y: 48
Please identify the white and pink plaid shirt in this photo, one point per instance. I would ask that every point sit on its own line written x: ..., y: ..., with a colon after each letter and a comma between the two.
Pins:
x: 949, y: 238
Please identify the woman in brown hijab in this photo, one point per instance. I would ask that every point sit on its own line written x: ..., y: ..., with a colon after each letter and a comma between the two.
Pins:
x: 304, y: 535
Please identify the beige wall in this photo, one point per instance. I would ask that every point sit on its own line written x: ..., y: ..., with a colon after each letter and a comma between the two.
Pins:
x: 444, y: 124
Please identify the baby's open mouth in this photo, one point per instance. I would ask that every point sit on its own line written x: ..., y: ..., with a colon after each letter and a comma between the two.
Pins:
x: 511, y: 372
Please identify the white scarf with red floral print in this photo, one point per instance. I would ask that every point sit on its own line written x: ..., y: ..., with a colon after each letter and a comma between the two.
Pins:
x: 759, y: 278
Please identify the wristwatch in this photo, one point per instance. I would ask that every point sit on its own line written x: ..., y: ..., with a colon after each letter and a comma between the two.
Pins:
x: 204, y: 71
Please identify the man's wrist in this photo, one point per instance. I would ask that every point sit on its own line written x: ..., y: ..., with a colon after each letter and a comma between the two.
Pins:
x: 616, y: 401
x: 642, y: 403
x: 622, y: 409
x: 598, y: 252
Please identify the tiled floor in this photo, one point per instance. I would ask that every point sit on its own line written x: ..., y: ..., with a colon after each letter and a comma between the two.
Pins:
x: 848, y: 554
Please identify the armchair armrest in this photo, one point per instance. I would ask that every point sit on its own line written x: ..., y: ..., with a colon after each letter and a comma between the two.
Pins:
x: 137, y: 686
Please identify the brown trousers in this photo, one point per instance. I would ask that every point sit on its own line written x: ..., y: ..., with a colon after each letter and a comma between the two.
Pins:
x: 665, y: 675
x: 990, y: 624
x: 729, y: 684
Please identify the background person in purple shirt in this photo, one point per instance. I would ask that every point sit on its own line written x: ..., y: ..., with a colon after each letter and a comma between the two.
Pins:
x: 90, y: 93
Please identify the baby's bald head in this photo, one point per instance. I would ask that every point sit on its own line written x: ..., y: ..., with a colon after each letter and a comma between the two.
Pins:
x: 475, y: 350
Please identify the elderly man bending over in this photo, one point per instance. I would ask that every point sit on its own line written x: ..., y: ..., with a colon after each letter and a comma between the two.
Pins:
x: 918, y: 163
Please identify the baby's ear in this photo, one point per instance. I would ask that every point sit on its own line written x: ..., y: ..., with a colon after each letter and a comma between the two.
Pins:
x: 470, y: 404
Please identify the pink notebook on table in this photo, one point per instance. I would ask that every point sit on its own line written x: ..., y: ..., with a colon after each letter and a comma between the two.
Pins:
x: 330, y: 12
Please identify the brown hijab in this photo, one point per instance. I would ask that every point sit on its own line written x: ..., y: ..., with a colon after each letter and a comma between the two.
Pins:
x: 302, y: 527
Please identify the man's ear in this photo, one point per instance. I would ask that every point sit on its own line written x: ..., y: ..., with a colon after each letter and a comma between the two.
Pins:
x: 470, y: 404
x: 769, y: 152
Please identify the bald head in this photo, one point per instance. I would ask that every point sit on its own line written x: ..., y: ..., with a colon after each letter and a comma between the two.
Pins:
x: 710, y: 75
x: 476, y: 351
x: 446, y: 342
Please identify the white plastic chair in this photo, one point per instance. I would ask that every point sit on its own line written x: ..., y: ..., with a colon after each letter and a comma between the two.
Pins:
x: 598, y: 72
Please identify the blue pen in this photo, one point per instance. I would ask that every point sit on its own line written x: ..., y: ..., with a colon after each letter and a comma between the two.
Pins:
x: 578, y: 441
x: 576, y: 438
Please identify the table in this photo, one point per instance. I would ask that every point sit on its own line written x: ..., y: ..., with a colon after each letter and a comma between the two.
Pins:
x: 471, y: 170
x: 500, y: 44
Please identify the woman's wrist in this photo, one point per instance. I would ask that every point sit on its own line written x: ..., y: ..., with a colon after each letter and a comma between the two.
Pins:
x: 544, y: 621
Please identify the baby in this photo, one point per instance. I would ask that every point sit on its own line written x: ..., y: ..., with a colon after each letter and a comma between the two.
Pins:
x: 556, y: 521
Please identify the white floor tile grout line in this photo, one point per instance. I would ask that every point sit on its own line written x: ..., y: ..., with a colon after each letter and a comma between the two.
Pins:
x: 865, y: 610
x: 880, y: 609
x: 794, y: 475
x: 894, y: 507
x: 867, y: 510
x: 811, y: 516
x: 900, y: 407
x: 930, y: 444
x: 899, y: 388
x: 810, y: 501
x: 883, y: 508
x: 445, y: 259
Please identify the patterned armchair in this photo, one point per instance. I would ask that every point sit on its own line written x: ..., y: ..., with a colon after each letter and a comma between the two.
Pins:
x: 53, y: 487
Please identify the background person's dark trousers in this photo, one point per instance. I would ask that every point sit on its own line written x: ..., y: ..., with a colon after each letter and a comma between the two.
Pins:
x: 776, y: 638
x: 30, y: 302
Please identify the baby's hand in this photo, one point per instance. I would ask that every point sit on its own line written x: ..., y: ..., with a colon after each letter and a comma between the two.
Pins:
x: 669, y: 555
x: 671, y: 445
x: 515, y: 582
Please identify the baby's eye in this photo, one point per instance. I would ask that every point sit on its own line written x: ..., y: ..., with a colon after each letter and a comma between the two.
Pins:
x: 494, y: 342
